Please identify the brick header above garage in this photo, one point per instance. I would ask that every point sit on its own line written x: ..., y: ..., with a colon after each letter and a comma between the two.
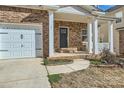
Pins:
x: 23, y: 15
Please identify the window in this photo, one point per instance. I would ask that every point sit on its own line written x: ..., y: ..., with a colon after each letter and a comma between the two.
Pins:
x: 119, y: 15
x: 118, y: 20
x: 84, y: 35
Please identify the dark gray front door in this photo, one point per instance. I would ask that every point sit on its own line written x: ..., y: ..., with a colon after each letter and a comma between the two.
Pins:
x: 63, y: 37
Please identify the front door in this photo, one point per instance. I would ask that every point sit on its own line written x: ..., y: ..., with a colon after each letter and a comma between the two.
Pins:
x: 63, y: 37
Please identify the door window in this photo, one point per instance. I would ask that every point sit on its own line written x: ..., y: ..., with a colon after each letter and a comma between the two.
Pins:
x: 84, y: 35
x: 84, y: 39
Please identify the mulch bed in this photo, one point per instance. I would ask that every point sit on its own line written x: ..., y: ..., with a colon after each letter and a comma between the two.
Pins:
x: 108, y: 65
x: 101, y: 77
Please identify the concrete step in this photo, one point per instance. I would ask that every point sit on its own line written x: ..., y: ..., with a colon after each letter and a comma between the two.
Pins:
x: 69, y: 57
x: 87, y: 56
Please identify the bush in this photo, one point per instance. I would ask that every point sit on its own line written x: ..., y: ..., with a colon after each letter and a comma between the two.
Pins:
x: 108, y: 57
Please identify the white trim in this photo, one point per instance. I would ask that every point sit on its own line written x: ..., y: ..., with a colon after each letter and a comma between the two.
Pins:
x: 70, y: 10
x: 67, y: 35
x: 110, y: 34
x: 34, y: 43
x: 90, y: 35
x: 51, y: 33
x: 22, y: 24
x: 95, y: 36
x: 42, y: 41
x: 69, y: 20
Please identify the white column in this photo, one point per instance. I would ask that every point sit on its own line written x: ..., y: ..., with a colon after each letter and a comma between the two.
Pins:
x: 110, y: 34
x: 90, y: 41
x: 51, y: 33
x: 95, y: 36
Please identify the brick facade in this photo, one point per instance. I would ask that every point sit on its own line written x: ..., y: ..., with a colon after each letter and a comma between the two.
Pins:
x: 121, y: 42
x: 75, y: 31
x: 23, y: 15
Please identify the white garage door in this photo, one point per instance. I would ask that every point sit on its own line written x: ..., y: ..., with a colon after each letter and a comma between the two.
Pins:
x: 17, y: 43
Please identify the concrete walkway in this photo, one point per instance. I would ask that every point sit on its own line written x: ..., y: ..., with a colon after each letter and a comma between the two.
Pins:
x: 23, y: 73
x: 78, y: 64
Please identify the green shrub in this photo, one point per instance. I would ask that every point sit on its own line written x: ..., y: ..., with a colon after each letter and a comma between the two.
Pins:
x: 54, y: 78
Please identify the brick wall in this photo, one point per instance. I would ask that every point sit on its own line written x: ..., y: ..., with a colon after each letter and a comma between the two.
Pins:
x: 75, y: 39
x: 121, y: 42
x: 23, y: 15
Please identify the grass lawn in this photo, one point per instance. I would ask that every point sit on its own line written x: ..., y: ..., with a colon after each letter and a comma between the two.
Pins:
x: 92, y: 77
x: 54, y: 78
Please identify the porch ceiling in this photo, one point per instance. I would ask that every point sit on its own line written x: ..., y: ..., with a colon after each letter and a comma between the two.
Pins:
x: 102, y: 22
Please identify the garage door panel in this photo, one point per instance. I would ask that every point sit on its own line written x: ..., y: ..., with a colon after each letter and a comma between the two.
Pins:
x: 17, y: 43
x: 27, y: 53
x: 15, y: 37
x: 4, y: 46
x: 3, y: 30
x: 25, y: 36
x: 4, y: 38
x: 16, y: 54
x: 4, y: 54
x: 26, y: 45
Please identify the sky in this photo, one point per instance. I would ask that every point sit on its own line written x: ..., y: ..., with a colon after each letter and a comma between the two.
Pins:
x: 105, y: 7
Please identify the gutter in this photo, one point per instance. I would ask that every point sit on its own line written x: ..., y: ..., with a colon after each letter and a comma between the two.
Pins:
x: 102, y: 16
x: 51, y: 7
x: 107, y: 18
x: 99, y: 14
x: 120, y: 28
